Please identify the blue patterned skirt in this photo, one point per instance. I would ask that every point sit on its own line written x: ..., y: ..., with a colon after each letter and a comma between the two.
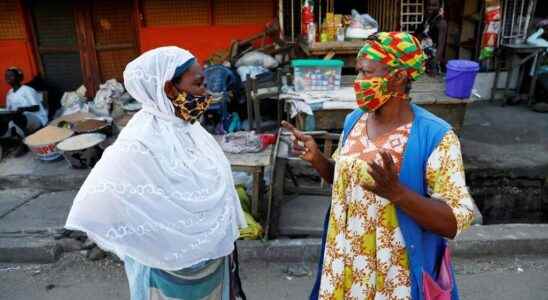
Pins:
x: 208, y: 280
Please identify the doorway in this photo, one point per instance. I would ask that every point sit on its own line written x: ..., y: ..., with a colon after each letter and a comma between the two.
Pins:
x: 82, y: 42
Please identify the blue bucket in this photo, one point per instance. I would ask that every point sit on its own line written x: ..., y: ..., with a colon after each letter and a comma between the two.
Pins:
x: 460, y: 78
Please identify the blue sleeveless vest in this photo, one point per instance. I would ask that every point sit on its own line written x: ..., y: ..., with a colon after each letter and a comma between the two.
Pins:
x: 424, y: 248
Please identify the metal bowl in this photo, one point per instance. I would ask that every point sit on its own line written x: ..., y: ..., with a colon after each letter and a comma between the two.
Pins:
x: 6, y: 115
x: 105, y: 128
x: 133, y: 106
x: 82, y: 151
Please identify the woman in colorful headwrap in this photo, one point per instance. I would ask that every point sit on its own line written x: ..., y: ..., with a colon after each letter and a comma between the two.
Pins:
x: 398, y: 186
x: 162, y: 196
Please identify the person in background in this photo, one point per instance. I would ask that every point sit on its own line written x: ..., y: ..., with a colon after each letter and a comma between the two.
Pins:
x: 399, y: 188
x: 26, y: 102
x: 539, y: 37
x: 433, y: 33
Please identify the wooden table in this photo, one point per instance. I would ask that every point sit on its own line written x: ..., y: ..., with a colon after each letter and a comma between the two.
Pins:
x: 428, y: 92
x: 318, y: 49
x: 346, y: 50
x: 253, y: 163
x: 511, y: 56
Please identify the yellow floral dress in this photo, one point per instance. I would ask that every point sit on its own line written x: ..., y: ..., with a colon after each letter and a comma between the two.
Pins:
x: 365, y: 255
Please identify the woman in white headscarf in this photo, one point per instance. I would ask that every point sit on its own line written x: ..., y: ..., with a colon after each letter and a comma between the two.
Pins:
x: 162, y: 197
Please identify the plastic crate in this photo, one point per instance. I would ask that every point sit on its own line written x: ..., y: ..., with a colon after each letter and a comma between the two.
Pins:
x: 316, y: 74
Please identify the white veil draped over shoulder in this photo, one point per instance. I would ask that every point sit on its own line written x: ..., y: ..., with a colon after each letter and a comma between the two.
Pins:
x: 163, y: 193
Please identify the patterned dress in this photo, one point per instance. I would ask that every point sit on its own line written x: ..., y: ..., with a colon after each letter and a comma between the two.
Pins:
x: 365, y: 255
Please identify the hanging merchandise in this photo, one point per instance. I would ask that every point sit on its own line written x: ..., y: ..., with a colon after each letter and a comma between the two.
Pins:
x: 361, y: 26
x: 340, y: 28
x: 340, y: 34
x: 311, y: 35
x: 307, y: 16
x: 492, y: 29
x: 330, y: 26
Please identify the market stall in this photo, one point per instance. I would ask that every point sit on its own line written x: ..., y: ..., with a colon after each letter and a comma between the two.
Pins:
x: 86, y: 127
x: 516, y: 57
x: 254, y: 164
x: 345, y: 50
x: 329, y: 108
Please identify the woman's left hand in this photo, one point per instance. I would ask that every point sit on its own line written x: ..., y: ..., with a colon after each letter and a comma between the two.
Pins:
x: 387, y: 183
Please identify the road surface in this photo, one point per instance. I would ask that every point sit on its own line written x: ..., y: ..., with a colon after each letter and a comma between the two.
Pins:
x: 74, y: 277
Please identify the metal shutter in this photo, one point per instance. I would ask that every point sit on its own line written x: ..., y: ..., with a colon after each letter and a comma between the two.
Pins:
x: 234, y: 12
x: 175, y: 12
x: 11, y: 24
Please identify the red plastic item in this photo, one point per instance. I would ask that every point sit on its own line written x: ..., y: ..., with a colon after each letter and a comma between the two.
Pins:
x: 307, y: 17
x: 267, y: 139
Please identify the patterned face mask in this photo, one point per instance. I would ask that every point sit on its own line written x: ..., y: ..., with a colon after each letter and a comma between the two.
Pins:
x: 372, y: 93
x: 189, y: 107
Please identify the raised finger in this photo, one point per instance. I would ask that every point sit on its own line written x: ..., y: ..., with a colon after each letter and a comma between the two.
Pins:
x: 298, y: 147
x: 375, y: 171
x: 297, y: 133
x: 375, y: 168
x: 387, y: 160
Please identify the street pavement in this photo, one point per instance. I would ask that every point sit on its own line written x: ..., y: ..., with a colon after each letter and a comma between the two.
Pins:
x: 74, y: 277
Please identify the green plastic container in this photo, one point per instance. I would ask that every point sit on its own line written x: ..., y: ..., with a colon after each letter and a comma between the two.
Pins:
x: 316, y: 74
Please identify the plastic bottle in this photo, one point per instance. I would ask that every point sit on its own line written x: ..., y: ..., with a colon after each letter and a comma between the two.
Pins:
x: 307, y: 16
x: 340, y: 33
x: 311, y: 35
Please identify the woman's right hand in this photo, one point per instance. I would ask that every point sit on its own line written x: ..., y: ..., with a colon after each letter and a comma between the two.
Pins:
x: 303, y: 144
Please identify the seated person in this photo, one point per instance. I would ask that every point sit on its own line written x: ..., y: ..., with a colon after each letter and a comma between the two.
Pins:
x: 27, y: 102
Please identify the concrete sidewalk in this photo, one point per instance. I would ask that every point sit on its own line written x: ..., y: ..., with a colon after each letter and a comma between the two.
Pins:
x: 31, y: 218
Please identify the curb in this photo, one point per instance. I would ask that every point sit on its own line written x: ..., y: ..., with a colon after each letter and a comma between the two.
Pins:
x: 486, y: 240
x: 507, y: 239
x: 285, y: 250
x: 480, y: 240
x: 29, y: 249
x: 47, y: 183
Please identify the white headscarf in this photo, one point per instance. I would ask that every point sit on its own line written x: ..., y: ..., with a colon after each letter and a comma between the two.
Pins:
x: 163, y: 193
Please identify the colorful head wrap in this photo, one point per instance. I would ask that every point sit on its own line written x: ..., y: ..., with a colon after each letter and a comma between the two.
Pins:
x: 399, y: 50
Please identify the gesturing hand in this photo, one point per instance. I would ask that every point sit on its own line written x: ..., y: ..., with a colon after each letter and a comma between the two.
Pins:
x: 386, y: 180
x: 303, y: 145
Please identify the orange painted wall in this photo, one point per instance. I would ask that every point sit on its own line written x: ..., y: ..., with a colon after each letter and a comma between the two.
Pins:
x: 202, y: 41
x: 16, y: 53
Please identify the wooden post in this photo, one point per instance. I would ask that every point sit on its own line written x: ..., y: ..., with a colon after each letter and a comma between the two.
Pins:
x: 256, y: 197
x: 210, y: 12
x: 32, y: 36
x: 138, y: 22
x: 86, y: 43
